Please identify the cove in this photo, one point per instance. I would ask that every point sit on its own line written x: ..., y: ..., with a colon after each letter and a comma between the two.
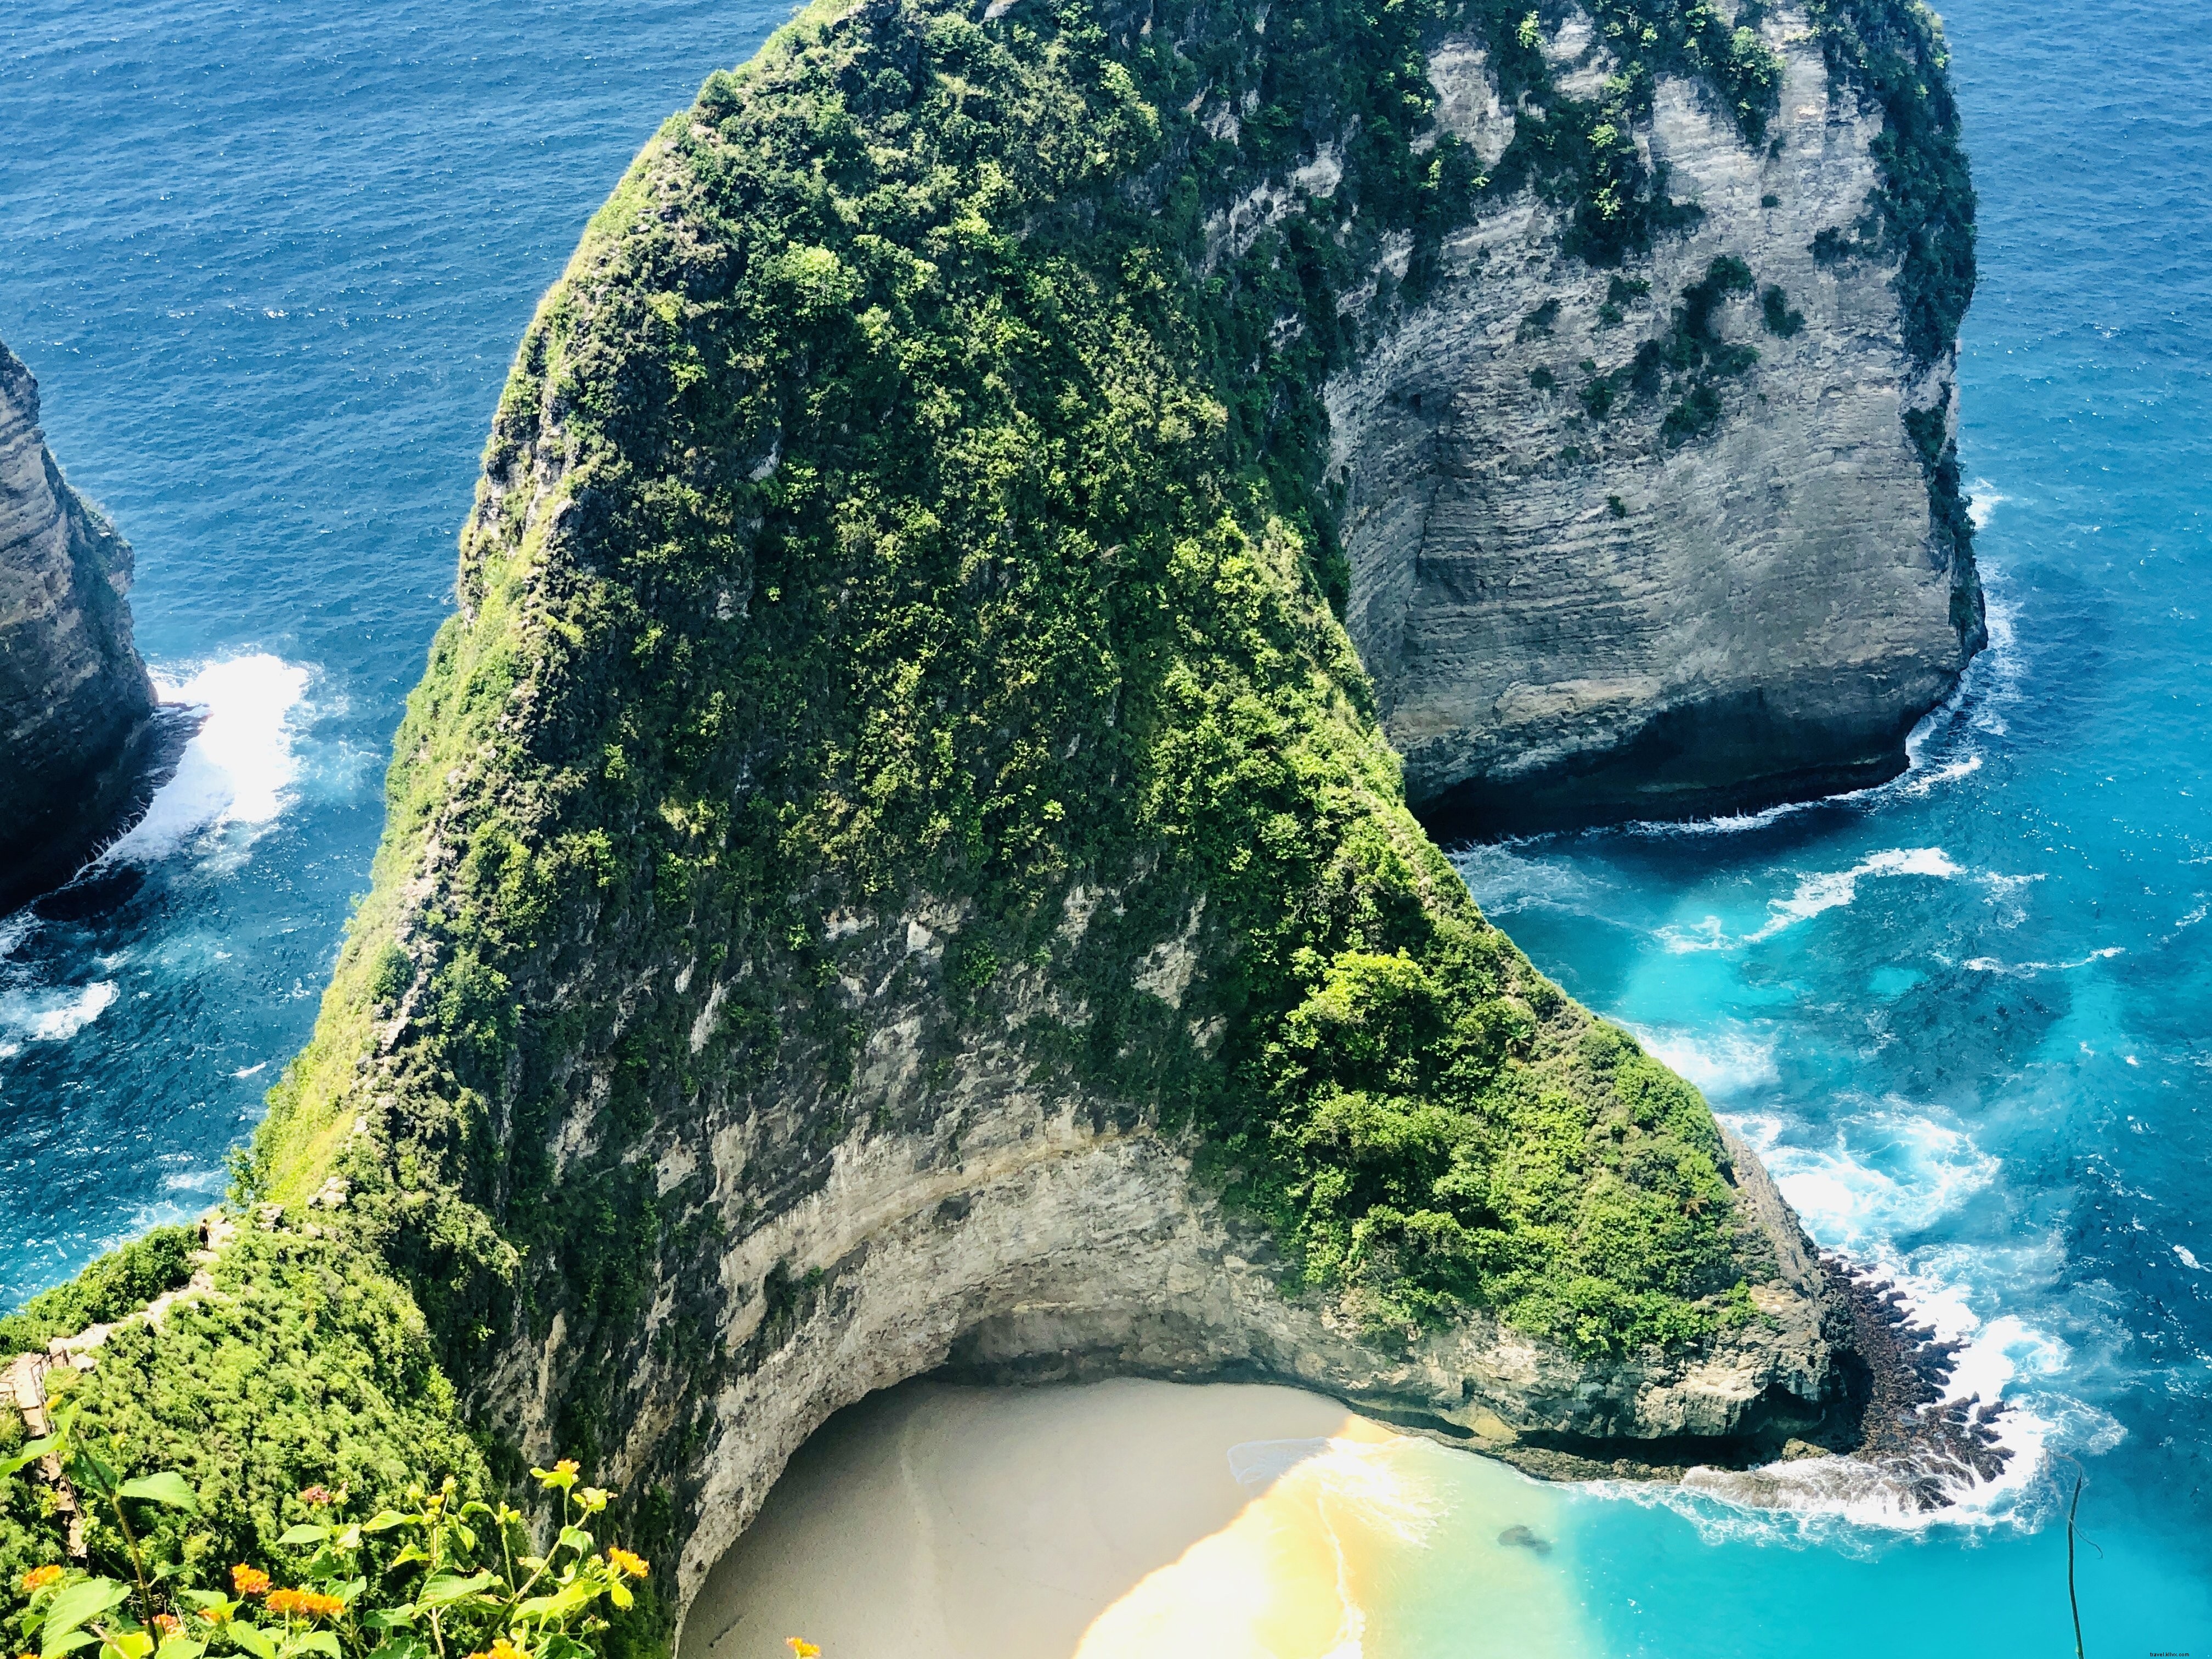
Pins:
x: 1957, y: 1015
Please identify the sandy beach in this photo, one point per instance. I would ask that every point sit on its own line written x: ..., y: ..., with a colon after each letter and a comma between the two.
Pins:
x: 1117, y: 1520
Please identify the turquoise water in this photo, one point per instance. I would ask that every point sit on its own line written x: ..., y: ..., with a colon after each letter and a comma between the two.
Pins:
x: 268, y: 264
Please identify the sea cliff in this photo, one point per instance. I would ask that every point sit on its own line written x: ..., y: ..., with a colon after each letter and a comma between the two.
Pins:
x: 76, y: 709
x: 897, y: 862
x: 1679, y: 533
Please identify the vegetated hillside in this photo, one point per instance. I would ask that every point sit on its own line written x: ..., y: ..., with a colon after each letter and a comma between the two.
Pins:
x: 896, y: 696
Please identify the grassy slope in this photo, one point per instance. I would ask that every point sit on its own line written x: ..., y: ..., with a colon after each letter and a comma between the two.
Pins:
x: 1035, y: 594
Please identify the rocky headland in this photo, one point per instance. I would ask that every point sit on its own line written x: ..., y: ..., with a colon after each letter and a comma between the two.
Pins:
x: 1682, y: 534
x: 78, y: 726
x: 897, y: 861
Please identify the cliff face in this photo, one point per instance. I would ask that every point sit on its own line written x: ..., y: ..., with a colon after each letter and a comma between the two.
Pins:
x: 75, y: 707
x: 1681, y: 535
x: 895, y: 861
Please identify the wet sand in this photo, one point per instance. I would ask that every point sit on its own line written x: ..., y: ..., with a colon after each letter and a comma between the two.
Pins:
x: 1104, y: 1522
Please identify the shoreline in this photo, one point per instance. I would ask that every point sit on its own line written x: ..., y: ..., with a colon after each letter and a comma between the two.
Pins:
x: 1117, y: 1520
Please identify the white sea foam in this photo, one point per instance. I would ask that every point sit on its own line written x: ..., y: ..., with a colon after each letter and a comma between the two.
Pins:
x: 1884, y: 1174
x: 1730, y: 1061
x: 51, y: 1016
x: 1983, y: 501
x: 1827, y: 890
x: 239, y: 768
x: 1506, y: 882
x: 1890, y: 1170
x: 2030, y: 969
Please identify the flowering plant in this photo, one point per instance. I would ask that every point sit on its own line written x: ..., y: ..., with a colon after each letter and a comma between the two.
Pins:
x: 461, y: 1582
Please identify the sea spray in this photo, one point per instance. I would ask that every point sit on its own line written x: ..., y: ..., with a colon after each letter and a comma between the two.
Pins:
x: 240, y: 768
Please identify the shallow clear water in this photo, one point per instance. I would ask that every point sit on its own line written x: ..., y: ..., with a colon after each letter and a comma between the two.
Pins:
x: 268, y: 264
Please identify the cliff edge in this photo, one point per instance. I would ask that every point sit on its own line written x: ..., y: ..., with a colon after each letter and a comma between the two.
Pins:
x: 1672, y: 526
x: 76, y: 708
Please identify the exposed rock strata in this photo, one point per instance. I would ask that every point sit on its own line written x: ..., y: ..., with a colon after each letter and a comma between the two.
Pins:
x: 1016, y: 1232
x: 76, y: 708
x: 1571, y: 618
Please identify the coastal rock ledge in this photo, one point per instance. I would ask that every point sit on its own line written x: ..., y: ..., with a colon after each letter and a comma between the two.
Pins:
x: 78, y: 726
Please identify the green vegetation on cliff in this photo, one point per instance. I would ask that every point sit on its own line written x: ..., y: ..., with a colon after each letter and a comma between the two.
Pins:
x: 911, y: 503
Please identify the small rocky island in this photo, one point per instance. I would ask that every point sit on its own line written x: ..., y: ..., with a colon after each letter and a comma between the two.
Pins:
x: 898, y: 862
x: 77, y: 727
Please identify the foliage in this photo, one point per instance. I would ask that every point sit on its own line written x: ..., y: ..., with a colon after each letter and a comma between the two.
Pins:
x: 308, y: 1363
x: 1892, y: 52
x: 119, y: 1282
x: 441, y: 1577
x: 912, y: 502
x: 1690, y: 358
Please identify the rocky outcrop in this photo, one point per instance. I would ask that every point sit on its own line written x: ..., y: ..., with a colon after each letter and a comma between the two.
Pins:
x: 1592, y: 586
x: 970, y: 1216
x: 76, y: 708
x: 894, y: 862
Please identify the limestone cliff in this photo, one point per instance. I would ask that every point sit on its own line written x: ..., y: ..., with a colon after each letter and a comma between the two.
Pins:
x: 895, y: 861
x: 1680, y: 535
x: 76, y: 710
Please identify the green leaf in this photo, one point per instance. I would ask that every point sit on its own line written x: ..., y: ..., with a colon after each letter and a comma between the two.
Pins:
x: 200, y: 1598
x: 90, y: 1473
x: 445, y: 1589
x: 619, y: 1594
x: 70, y: 1643
x: 302, y: 1534
x: 383, y: 1521
x: 179, y: 1647
x: 255, y: 1642
x: 127, y: 1645
x: 351, y: 1589
x: 85, y: 1598
x: 30, y: 1454
x: 167, y: 1486
x: 315, y: 1641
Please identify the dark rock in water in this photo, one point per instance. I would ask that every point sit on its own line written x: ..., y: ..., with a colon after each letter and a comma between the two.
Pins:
x: 1938, y: 1447
x: 77, y: 732
x: 1522, y: 1538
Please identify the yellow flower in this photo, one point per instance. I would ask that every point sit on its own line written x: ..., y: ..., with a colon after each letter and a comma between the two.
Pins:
x: 38, y: 1578
x: 312, y: 1604
x: 566, y: 1466
x: 248, y: 1581
x: 503, y: 1648
x: 800, y: 1646
x: 623, y: 1562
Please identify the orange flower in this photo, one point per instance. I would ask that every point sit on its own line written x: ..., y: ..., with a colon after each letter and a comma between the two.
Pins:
x: 249, y: 1581
x: 312, y: 1604
x: 169, y: 1624
x: 316, y: 1497
x: 38, y: 1578
x: 630, y: 1566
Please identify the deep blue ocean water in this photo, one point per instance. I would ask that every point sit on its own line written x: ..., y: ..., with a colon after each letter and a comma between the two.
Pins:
x: 268, y: 264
